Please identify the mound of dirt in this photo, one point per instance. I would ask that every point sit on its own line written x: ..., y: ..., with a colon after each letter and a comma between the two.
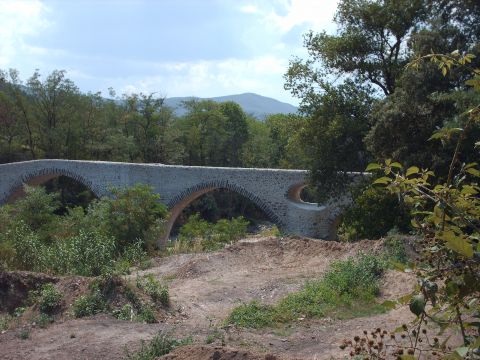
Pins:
x: 199, y: 352
x: 15, y: 286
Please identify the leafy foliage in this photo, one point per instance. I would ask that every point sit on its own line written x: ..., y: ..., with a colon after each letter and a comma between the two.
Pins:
x: 49, y: 299
x: 111, y: 234
x: 200, y: 235
x: 447, y: 213
x: 372, y: 214
x: 153, y: 288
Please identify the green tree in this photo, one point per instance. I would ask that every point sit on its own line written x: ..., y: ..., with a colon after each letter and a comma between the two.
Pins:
x: 237, y: 132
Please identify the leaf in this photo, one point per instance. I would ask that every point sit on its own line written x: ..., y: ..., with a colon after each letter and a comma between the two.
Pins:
x: 452, y: 356
x: 462, y: 351
x: 396, y: 165
x: 407, y: 357
x: 476, y: 344
x: 389, y: 304
x: 457, y: 243
x: 383, y: 180
x: 412, y: 170
x: 405, y: 299
x: 473, y: 171
x: 373, y: 166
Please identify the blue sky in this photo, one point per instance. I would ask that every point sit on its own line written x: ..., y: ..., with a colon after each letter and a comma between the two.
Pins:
x: 172, y: 47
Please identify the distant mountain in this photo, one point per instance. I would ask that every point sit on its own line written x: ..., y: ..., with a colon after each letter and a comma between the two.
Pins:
x: 256, y: 105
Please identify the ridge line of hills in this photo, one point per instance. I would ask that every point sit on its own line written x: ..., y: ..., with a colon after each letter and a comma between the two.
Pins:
x: 253, y: 104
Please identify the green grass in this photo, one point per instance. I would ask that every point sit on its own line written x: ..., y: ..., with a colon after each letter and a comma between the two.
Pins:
x: 347, y: 290
x: 160, y: 345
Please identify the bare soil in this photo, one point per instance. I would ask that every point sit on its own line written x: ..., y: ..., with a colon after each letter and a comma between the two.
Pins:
x: 204, y: 288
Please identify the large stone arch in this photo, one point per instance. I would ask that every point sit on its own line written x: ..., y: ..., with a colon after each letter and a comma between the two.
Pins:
x: 187, y: 196
x: 41, y: 176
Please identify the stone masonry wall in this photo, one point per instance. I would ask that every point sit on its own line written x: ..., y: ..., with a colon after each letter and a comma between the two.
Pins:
x: 267, y: 188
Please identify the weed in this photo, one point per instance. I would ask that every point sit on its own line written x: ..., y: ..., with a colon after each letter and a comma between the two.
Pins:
x: 160, y: 345
x: 24, y: 334
x: 5, y: 321
x: 19, y: 311
x: 153, y: 288
x: 146, y: 314
x: 125, y: 313
x: 50, y: 299
x: 395, y: 249
x: 43, y: 320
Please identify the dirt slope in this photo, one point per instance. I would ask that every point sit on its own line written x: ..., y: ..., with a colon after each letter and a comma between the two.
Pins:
x: 204, y: 288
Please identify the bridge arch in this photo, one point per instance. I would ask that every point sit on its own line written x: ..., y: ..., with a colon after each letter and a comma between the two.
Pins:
x: 41, y: 176
x: 178, y: 203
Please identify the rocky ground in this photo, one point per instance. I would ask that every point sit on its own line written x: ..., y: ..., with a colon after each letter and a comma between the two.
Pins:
x: 204, y: 288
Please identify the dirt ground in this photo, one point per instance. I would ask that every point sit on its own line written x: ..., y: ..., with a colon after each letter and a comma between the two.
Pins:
x: 203, y: 289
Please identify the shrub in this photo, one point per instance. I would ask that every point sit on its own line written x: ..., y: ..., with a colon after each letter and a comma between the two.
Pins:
x: 50, y: 299
x: 36, y: 209
x: 86, y: 254
x: 372, y: 214
x: 43, y: 320
x: 5, y: 322
x: 22, y: 249
x: 202, y: 235
x: 90, y: 304
x: 132, y: 213
x: 146, y: 314
x: 124, y: 313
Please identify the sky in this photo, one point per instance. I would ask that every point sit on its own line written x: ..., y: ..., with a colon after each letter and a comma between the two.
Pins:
x: 202, y: 48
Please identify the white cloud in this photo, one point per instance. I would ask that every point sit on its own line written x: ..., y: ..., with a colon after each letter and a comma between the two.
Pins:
x: 262, y: 75
x: 317, y: 15
x: 19, y: 20
x: 249, y: 9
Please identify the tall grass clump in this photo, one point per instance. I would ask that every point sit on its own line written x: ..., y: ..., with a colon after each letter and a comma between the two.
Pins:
x: 348, y: 289
x: 160, y: 345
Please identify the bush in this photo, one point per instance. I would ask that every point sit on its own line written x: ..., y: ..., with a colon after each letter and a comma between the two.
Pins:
x: 43, y: 320
x: 372, y: 214
x: 346, y: 290
x: 201, y: 235
x: 90, y: 304
x: 86, y: 254
x: 22, y: 249
x: 146, y: 314
x: 36, y: 209
x: 125, y: 313
x: 50, y: 299
x: 132, y: 213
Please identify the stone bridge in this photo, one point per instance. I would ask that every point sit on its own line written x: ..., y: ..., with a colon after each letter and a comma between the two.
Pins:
x: 275, y: 191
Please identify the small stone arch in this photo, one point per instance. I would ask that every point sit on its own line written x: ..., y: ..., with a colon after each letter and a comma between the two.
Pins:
x: 41, y: 176
x: 187, y: 196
